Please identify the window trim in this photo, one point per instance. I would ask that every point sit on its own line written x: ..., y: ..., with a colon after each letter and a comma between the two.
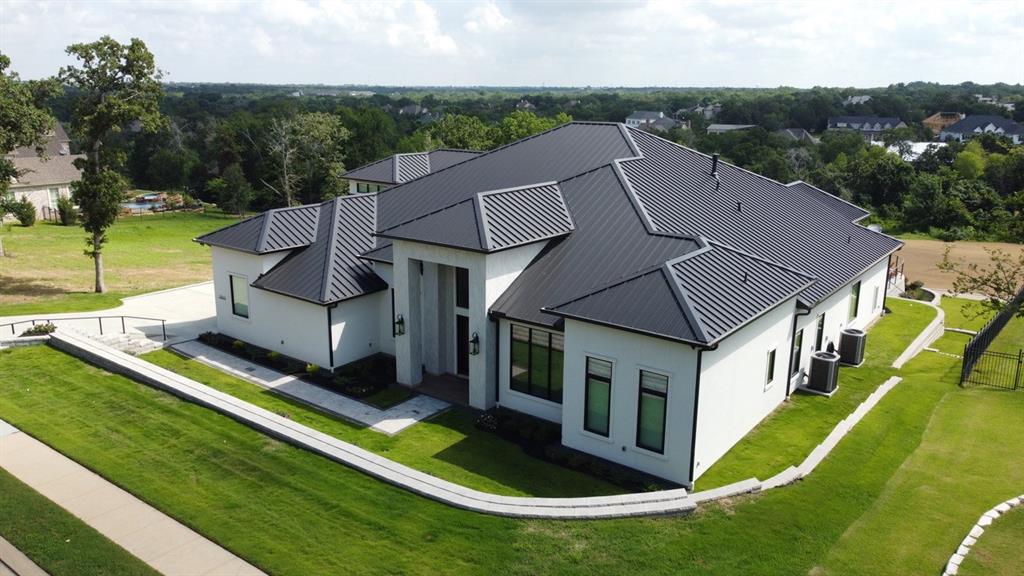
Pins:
x: 53, y: 200
x: 586, y: 394
x: 769, y: 375
x: 664, y: 410
x: 529, y: 360
x: 231, y: 289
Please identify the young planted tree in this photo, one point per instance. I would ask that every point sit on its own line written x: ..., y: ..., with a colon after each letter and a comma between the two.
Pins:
x: 999, y: 281
x: 116, y: 85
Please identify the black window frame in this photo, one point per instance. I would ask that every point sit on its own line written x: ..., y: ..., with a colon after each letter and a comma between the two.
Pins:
x: 640, y: 407
x: 854, y: 308
x: 231, y: 287
x: 819, y: 332
x: 769, y: 376
x: 533, y: 389
x: 588, y: 376
x: 462, y: 288
x: 798, y: 344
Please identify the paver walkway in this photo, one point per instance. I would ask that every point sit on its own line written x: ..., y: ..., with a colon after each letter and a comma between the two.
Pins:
x: 155, y: 538
x: 390, y: 421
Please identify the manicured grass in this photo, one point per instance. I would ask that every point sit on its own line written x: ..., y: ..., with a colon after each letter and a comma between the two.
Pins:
x: 45, y: 270
x: 447, y: 446
x: 787, y: 436
x: 291, y: 512
x: 54, y: 539
x: 389, y: 397
x: 998, y: 552
x: 964, y: 313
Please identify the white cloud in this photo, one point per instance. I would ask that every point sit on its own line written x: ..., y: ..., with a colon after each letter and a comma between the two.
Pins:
x: 486, y: 18
x: 261, y: 41
x: 422, y: 33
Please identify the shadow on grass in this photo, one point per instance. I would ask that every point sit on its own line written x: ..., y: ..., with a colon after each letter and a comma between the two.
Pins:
x: 30, y: 287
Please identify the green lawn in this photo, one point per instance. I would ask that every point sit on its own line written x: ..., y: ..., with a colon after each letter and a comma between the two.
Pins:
x: 787, y: 436
x: 45, y: 270
x: 998, y: 552
x: 447, y: 446
x: 54, y: 539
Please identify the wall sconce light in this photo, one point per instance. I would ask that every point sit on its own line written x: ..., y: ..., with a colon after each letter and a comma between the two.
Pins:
x: 399, y: 325
x: 474, y: 345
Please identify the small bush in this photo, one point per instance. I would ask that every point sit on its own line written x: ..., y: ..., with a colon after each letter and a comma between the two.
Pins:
x: 915, y: 285
x: 24, y: 211
x: 40, y: 330
x: 238, y: 345
x: 67, y: 211
x: 274, y: 357
x: 312, y: 369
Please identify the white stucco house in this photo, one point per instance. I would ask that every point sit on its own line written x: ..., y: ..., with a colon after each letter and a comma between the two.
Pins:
x: 655, y: 302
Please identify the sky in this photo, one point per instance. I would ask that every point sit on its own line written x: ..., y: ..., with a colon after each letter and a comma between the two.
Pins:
x: 534, y: 43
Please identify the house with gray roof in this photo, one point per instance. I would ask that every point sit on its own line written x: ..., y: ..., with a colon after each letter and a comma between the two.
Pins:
x: 44, y: 176
x: 870, y: 127
x: 723, y: 128
x: 978, y: 124
x: 399, y: 168
x: 656, y: 302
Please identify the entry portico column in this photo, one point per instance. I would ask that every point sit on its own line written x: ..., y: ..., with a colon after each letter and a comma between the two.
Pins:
x: 408, y: 348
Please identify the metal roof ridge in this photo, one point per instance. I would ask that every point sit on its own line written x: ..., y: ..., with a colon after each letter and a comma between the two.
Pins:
x: 481, y: 221
x: 823, y: 191
x: 687, y: 307
x: 332, y: 239
x: 516, y: 188
x: 422, y: 216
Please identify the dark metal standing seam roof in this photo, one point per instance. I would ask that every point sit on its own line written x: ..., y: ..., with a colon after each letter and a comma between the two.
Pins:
x: 411, y: 166
x: 970, y: 123
x: 271, y: 231
x: 851, y: 211
x: 523, y: 215
x: 399, y: 168
x: 330, y: 269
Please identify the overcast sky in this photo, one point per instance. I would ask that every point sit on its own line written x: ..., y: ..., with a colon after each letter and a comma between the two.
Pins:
x: 506, y: 43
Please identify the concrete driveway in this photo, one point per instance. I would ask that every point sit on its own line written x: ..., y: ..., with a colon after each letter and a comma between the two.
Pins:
x: 188, y: 311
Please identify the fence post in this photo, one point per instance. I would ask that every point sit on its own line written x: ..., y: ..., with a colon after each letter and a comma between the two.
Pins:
x: 123, y: 331
x: 163, y: 326
x: 1020, y: 361
x: 99, y: 319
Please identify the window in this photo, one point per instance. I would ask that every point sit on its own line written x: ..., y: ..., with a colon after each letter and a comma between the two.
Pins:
x: 650, y: 419
x: 239, y: 296
x: 362, y: 188
x: 819, y: 333
x: 798, y: 344
x: 854, y: 300
x: 770, y: 374
x: 54, y: 197
x: 874, y: 299
x: 537, y: 359
x: 461, y: 288
x: 597, y: 396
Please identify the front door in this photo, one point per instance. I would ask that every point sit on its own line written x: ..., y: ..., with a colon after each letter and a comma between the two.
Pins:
x: 462, y: 344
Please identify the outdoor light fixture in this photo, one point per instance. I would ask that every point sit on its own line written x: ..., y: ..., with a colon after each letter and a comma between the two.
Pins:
x: 474, y: 345
x: 399, y: 325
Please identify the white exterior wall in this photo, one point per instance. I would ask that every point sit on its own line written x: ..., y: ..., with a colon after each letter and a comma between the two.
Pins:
x: 386, y: 320
x: 416, y: 299
x: 629, y: 353
x: 733, y: 394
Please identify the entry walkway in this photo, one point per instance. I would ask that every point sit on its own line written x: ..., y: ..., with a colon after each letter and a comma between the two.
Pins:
x: 166, y: 545
x: 390, y: 421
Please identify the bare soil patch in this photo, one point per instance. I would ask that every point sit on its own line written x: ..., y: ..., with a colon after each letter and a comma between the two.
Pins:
x: 923, y: 256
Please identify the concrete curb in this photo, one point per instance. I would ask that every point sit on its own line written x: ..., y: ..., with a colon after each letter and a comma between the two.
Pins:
x: 964, y: 548
x: 22, y: 341
x: 930, y: 334
x: 17, y: 562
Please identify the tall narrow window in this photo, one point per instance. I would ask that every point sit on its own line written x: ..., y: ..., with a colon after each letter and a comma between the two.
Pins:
x: 598, y: 396
x: 854, y: 300
x: 819, y: 332
x: 798, y: 344
x: 54, y: 197
x: 239, y: 296
x: 874, y: 299
x: 650, y: 420
x: 769, y: 376
x: 537, y: 362
x: 462, y: 288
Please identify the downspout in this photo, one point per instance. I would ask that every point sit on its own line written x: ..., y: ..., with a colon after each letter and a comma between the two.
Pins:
x: 497, y: 362
x: 330, y: 335
x: 792, y: 335
x: 696, y: 406
x: 885, y: 292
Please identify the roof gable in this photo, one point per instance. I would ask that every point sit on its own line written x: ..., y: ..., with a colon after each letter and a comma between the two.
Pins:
x: 523, y: 215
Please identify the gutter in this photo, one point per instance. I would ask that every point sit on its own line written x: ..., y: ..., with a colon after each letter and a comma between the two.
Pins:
x: 801, y: 311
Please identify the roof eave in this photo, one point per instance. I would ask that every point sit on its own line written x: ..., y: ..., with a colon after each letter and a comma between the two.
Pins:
x: 642, y: 332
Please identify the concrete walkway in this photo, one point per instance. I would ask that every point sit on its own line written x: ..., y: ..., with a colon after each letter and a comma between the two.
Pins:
x: 155, y: 538
x: 390, y: 421
x: 188, y: 310
x: 14, y: 563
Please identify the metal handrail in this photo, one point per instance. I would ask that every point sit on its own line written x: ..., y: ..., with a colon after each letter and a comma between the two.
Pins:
x: 99, y: 320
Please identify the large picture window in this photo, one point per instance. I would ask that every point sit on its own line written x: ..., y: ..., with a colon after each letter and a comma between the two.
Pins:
x: 239, y: 296
x: 598, y: 396
x: 854, y: 300
x: 537, y: 359
x: 650, y: 420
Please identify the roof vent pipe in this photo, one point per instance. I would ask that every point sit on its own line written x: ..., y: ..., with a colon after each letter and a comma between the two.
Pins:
x: 739, y: 207
x: 714, y: 164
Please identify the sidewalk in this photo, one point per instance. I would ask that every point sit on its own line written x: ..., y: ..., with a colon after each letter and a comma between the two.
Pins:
x: 155, y: 538
x: 390, y: 421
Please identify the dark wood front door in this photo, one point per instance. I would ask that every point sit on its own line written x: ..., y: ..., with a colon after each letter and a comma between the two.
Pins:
x: 462, y: 344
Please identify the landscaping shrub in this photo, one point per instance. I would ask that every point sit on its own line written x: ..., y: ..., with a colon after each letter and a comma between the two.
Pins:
x: 238, y: 345
x: 67, y: 211
x: 40, y: 330
x: 274, y: 357
x: 24, y: 211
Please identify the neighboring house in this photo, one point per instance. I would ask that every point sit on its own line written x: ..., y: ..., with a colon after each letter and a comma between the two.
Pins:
x: 399, y: 168
x: 654, y: 121
x: 44, y: 179
x: 723, y: 128
x: 940, y: 120
x: 858, y: 99
x: 976, y: 125
x: 525, y: 105
x: 654, y: 301
x: 797, y: 134
x: 870, y: 127
x: 708, y: 111
x: 666, y: 124
x: 412, y: 110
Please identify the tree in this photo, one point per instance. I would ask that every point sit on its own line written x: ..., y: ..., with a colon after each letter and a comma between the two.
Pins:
x: 999, y: 281
x: 464, y: 132
x: 308, y: 153
x: 232, y: 190
x: 23, y: 122
x: 522, y: 123
x: 115, y: 84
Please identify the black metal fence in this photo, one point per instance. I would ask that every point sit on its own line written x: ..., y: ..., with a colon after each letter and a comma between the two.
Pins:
x: 985, y: 367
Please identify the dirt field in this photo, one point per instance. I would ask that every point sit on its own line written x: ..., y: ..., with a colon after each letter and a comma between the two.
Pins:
x: 921, y: 257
